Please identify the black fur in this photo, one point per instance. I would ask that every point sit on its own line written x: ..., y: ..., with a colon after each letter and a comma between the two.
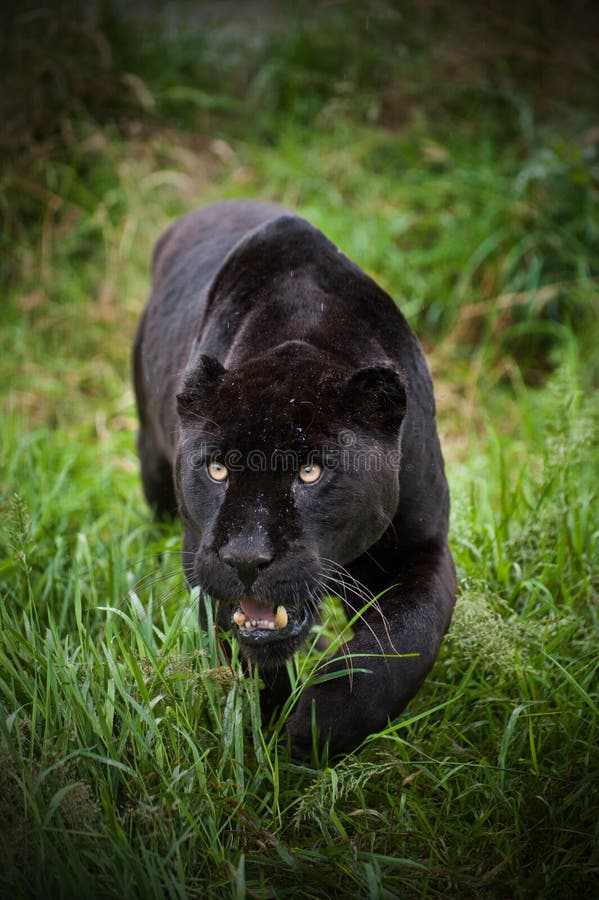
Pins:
x: 264, y: 348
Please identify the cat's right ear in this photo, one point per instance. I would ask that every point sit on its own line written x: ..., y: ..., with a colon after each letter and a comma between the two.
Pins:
x: 377, y: 397
x: 199, y: 385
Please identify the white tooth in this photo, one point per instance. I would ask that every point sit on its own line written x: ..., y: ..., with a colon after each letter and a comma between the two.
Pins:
x: 281, y: 617
x: 240, y: 618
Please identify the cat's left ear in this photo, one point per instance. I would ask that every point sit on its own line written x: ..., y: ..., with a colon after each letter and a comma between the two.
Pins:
x: 199, y: 385
x: 377, y: 397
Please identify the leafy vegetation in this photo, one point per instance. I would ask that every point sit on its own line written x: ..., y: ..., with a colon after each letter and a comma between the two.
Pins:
x: 457, y: 162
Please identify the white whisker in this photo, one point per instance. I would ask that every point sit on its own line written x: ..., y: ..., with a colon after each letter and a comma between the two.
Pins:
x: 336, y: 574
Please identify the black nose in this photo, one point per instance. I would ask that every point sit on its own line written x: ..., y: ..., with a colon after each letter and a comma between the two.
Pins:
x: 247, y: 557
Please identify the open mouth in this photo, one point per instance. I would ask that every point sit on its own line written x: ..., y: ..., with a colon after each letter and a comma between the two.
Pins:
x: 257, y: 622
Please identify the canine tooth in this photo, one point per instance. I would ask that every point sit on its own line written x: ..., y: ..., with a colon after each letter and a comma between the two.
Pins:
x: 281, y: 617
x: 239, y: 618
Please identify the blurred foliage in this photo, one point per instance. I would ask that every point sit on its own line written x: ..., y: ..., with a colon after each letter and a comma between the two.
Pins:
x: 471, y: 118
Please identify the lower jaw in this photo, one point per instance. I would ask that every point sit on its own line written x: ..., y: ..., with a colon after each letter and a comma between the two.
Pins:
x: 268, y: 648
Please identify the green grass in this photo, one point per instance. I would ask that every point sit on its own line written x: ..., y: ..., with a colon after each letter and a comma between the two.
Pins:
x: 132, y: 758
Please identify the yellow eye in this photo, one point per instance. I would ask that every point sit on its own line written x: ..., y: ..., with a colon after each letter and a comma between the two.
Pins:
x: 218, y: 471
x: 310, y: 473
